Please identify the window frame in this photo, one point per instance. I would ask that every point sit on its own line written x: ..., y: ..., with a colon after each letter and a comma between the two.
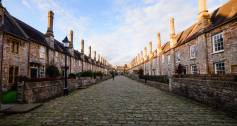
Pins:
x: 219, y: 71
x: 193, y: 69
x: 178, y: 57
x: 191, y: 49
x: 214, y: 42
x: 15, y: 46
x: 168, y: 59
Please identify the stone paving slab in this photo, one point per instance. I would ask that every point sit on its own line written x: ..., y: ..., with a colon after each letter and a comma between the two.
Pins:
x: 122, y: 102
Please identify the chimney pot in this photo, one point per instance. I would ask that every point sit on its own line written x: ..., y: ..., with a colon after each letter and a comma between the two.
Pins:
x: 82, y: 46
x: 50, y: 22
x: 71, y: 39
x: 158, y: 44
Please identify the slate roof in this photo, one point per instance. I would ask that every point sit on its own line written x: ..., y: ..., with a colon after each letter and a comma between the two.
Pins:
x: 220, y: 16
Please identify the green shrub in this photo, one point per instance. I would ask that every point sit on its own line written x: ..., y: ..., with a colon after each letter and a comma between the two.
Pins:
x: 86, y: 74
x: 52, y: 71
x: 9, y: 97
x: 72, y: 76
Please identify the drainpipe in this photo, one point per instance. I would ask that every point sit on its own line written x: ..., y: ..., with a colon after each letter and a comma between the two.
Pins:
x: 206, y: 50
x: 1, y: 39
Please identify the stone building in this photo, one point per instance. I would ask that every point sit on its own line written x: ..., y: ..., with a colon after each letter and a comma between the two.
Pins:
x: 209, y: 46
x: 25, y: 51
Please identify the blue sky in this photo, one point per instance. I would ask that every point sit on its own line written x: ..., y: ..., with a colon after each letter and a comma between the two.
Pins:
x: 116, y: 29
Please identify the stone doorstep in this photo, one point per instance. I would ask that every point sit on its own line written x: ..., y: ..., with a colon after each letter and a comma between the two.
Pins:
x: 19, y: 108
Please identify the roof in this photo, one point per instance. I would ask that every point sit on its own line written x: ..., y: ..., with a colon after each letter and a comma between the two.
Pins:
x: 22, y: 30
x: 225, y: 13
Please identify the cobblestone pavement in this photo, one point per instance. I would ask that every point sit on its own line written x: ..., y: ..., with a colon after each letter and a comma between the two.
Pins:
x: 122, y: 102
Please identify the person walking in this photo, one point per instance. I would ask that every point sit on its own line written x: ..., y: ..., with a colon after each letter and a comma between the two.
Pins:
x: 113, y: 75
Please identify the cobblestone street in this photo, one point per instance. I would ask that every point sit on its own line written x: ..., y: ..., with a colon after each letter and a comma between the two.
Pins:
x: 120, y: 102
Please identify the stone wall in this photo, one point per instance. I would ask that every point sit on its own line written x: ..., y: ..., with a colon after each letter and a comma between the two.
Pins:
x: 161, y: 86
x: 34, y: 92
x: 219, y: 94
x: 215, y: 93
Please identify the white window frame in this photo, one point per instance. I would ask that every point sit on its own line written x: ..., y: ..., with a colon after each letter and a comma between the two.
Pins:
x: 168, y: 59
x: 193, y: 71
x: 163, y: 58
x: 41, y: 71
x: 217, y: 70
x: 215, y: 39
x: 178, y: 57
x: 193, y: 51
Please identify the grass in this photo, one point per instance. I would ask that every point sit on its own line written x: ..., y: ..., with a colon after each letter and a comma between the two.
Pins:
x: 9, y: 97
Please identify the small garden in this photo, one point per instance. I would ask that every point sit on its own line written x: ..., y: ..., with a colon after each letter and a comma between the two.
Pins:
x: 9, y: 97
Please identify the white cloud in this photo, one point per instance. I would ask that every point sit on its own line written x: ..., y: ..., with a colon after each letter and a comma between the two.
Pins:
x: 139, y: 25
x: 26, y: 3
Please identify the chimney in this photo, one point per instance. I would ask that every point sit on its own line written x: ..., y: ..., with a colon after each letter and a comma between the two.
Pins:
x: 141, y: 56
x: 49, y: 34
x: 158, y: 44
x: 82, y: 46
x: 172, y: 33
x: 145, y: 53
x: 50, y: 23
x: 203, y: 15
x: 90, y: 51
x: 95, y: 55
x: 98, y: 57
x: 150, y: 46
x: 71, y: 39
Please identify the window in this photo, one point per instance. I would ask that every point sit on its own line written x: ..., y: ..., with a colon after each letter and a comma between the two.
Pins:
x: 218, y: 42
x: 42, y: 52
x: 193, y: 51
x: 163, y: 59
x: 219, y: 68
x: 178, y: 57
x: 13, y: 73
x: 15, y: 46
x: 194, y: 69
x: 42, y: 72
x: 168, y: 59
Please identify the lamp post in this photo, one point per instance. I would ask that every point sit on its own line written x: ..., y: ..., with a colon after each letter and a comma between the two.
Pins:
x: 66, y: 45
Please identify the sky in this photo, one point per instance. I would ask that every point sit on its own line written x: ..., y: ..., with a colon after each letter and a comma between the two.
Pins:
x: 117, y: 29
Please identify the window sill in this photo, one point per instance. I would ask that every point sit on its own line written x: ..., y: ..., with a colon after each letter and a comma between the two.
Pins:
x: 193, y: 58
x: 221, y: 51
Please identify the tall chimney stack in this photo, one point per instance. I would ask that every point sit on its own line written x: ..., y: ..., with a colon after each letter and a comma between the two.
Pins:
x: 158, y: 44
x: 82, y: 46
x: 50, y: 23
x: 172, y: 28
x: 141, y: 56
x: 150, y: 47
x: 71, y: 39
x: 95, y: 55
x: 90, y: 51
x: 172, y: 33
x: 203, y: 15
x: 145, y: 53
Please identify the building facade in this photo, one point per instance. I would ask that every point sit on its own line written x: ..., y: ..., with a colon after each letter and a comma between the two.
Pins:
x: 25, y: 51
x: 209, y: 46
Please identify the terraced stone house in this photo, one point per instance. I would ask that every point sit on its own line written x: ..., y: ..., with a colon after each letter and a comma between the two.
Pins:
x: 25, y: 51
x: 209, y: 46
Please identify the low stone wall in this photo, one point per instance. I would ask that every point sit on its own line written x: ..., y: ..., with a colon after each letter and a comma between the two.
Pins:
x: 219, y: 94
x: 215, y: 93
x: 161, y: 86
x: 34, y: 92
